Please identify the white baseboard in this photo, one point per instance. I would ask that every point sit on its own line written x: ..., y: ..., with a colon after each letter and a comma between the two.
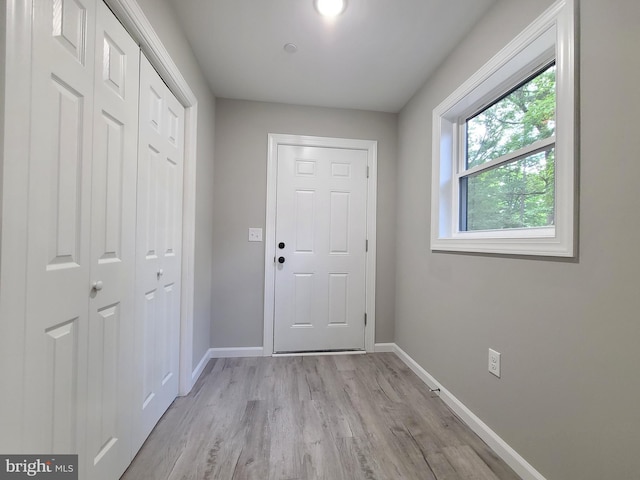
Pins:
x: 491, y: 438
x: 236, y: 352
x: 200, y: 367
x: 223, y: 353
x: 385, y: 347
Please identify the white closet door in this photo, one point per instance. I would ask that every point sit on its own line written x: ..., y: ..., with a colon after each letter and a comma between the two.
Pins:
x: 83, y: 150
x: 59, y: 248
x: 113, y: 229
x: 159, y: 235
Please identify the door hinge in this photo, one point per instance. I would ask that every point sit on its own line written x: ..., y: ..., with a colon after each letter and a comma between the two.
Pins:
x: 365, y: 319
x: 366, y: 245
x: 367, y: 172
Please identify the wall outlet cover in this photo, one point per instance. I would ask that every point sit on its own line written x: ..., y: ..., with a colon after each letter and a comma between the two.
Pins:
x: 494, y: 362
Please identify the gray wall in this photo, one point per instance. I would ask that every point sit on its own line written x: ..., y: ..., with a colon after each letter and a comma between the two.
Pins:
x: 163, y: 18
x: 568, y: 332
x: 239, y: 203
x: 3, y: 14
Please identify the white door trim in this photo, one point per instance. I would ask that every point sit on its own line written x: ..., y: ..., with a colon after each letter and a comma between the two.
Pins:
x: 139, y: 27
x: 371, y: 147
x: 13, y: 244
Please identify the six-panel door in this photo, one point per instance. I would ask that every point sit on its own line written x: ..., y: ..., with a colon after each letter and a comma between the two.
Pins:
x: 159, y: 241
x: 113, y: 223
x: 321, y: 220
x: 59, y: 227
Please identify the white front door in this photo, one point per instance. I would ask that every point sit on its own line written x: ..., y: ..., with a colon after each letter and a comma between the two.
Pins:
x: 159, y: 250
x: 321, y: 225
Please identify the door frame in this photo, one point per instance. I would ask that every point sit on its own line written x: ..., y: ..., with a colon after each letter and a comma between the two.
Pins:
x: 14, y: 162
x: 371, y: 147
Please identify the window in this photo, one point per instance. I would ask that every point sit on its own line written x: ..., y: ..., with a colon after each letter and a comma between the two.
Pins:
x: 508, y: 174
x: 503, y: 156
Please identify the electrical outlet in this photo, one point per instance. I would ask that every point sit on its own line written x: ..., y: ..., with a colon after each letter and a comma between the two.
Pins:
x: 255, y: 234
x: 494, y: 362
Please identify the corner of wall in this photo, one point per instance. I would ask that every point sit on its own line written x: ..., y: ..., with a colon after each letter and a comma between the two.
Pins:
x: 3, y: 41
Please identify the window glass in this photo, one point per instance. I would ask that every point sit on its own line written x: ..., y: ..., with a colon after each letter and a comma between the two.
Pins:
x: 522, y: 117
x: 518, y: 194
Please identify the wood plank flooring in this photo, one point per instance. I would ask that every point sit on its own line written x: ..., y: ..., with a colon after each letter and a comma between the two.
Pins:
x: 342, y: 417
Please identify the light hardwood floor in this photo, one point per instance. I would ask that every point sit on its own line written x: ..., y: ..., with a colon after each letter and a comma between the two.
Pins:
x: 342, y: 417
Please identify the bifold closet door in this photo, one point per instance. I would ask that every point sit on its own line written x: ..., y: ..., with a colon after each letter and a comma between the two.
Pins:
x: 159, y: 240
x: 113, y: 229
x: 81, y: 239
x: 59, y: 233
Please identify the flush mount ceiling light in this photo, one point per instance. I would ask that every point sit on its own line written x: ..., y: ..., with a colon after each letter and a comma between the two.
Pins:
x: 290, y: 47
x: 330, y: 8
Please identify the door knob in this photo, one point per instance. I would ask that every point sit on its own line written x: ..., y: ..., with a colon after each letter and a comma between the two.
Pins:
x: 97, y: 286
x: 280, y: 259
x: 281, y: 245
x: 160, y: 273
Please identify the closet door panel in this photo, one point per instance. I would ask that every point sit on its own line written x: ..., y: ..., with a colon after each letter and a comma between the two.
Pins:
x: 159, y: 235
x: 81, y: 233
x: 170, y: 279
x: 113, y: 225
x: 59, y: 193
x: 149, y: 299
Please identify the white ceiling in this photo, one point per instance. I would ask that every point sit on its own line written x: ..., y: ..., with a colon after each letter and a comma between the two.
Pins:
x: 372, y: 57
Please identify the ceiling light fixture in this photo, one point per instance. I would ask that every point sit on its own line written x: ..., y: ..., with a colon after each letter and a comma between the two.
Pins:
x: 330, y: 8
x: 290, y: 47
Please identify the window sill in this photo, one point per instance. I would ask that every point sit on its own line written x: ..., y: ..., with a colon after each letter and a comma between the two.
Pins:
x: 533, y: 246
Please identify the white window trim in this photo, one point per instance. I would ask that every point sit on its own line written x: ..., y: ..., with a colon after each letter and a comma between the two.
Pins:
x: 550, y: 36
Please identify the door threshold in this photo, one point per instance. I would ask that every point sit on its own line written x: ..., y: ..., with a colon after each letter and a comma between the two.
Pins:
x: 319, y: 353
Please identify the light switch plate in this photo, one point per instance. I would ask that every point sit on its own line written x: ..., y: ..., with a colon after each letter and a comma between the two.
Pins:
x: 255, y: 234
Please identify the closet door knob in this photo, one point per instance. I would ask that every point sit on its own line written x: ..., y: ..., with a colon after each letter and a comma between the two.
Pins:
x: 97, y: 286
x: 280, y: 259
x: 160, y: 273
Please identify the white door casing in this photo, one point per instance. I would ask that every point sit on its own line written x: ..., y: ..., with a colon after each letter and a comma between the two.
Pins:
x: 158, y: 271
x: 319, y: 197
x: 321, y: 235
